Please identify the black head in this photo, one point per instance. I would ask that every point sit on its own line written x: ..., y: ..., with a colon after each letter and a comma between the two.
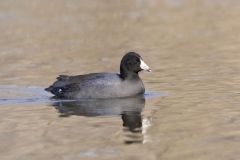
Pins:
x: 131, y: 64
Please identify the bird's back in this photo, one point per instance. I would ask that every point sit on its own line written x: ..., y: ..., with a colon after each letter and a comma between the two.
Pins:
x: 95, y: 85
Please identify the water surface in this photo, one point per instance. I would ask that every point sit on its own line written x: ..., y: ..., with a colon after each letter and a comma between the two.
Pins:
x: 191, y: 46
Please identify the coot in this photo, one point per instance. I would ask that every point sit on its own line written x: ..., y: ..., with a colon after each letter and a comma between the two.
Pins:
x: 104, y: 85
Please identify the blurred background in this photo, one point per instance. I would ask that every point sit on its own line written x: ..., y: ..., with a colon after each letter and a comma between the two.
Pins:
x: 41, y: 39
x: 192, y: 47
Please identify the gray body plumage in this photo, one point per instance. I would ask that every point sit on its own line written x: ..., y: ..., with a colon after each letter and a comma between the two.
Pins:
x: 96, y: 85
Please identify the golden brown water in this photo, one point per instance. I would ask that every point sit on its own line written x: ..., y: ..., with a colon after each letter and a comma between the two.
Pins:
x: 192, y: 47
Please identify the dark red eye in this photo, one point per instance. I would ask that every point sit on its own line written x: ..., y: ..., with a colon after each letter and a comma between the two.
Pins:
x: 138, y: 60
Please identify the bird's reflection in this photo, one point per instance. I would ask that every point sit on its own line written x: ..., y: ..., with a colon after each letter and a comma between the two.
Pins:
x: 129, y: 108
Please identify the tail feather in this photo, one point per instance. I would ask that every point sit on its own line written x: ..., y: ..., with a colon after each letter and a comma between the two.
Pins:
x: 58, y: 91
x: 62, y: 77
x: 59, y: 87
x: 49, y: 89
